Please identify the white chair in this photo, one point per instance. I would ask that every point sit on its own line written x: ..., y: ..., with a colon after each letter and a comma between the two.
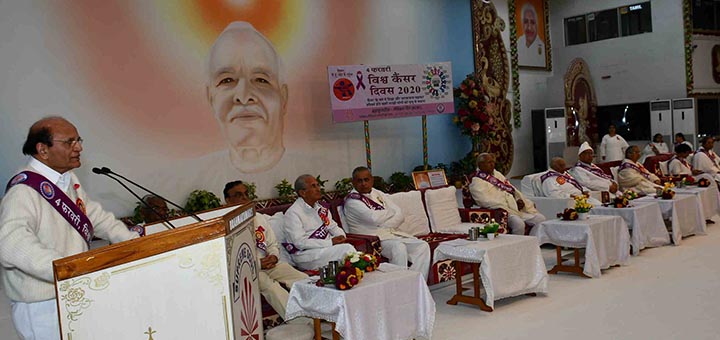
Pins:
x: 443, y: 212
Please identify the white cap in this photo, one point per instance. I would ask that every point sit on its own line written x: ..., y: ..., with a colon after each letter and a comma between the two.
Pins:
x: 584, y: 147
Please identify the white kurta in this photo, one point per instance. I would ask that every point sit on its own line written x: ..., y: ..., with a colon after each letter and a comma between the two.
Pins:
x: 632, y: 179
x: 677, y: 167
x: 533, y: 55
x: 559, y: 186
x: 301, y: 220
x: 489, y: 196
x: 612, y: 148
x: 590, y: 180
x: 648, y: 151
x: 397, y: 246
x: 703, y: 162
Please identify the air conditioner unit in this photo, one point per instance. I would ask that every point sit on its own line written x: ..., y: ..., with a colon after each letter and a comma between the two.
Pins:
x: 684, y: 115
x: 555, y: 133
x: 661, y: 119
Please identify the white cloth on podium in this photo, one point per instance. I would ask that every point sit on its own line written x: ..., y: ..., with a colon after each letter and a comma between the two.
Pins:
x: 510, y: 265
x: 387, y: 304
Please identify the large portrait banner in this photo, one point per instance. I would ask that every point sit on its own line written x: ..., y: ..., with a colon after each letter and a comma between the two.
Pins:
x: 370, y: 92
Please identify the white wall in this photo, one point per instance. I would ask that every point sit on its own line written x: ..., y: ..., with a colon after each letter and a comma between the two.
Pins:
x: 641, y: 67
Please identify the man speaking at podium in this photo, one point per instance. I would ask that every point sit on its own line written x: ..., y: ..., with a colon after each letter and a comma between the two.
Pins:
x: 46, y: 215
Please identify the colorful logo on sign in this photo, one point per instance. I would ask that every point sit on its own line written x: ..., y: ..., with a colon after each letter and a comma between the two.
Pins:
x: 436, y: 82
x: 343, y: 89
x: 47, y: 190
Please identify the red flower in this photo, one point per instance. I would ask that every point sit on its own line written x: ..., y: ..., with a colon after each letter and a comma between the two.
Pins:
x: 483, y: 117
x: 485, y: 128
x: 462, y: 112
x: 467, y: 124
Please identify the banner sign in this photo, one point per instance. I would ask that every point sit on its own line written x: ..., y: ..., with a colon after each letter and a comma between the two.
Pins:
x: 369, y: 92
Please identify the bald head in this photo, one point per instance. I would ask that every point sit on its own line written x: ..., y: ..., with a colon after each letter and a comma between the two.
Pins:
x: 55, y: 142
x: 558, y: 164
x: 41, y: 132
x: 486, y: 163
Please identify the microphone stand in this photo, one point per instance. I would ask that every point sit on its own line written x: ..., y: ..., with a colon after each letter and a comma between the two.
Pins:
x: 108, y: 171
x: 165, y: 219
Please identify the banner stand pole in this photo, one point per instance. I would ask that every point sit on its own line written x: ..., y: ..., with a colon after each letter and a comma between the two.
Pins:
x: 425, y: 142
x: 367, y: 145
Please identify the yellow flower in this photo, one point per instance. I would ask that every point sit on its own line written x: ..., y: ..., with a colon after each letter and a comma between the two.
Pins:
x: 473, y: 104
x: 475, y: 93
x: 463, y: 96
x: 456, y: 120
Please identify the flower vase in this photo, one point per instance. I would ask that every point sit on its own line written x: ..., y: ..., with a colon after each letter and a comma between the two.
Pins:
x: 583, y: 215
x: 491, y: 236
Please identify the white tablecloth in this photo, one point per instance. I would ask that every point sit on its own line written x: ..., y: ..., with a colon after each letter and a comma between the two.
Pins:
x: 510, y: 265
x: 606, y: 240
x: 386, y: 305
x: 684, y: 212
x: 646, y: 221
x: 708, y: 197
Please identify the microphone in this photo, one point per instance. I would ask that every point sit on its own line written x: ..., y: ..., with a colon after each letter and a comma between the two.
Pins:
x: 107, y: 171
x: 165, y: 219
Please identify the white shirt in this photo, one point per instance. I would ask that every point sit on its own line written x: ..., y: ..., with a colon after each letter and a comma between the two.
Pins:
x: 559, y: 186
x: 590, y: 180
x: 613, y: 148
x: 676, y: 167
x: 362, y: 219
x: 533, y: 55
x: 703, y: 161
x: 630, y: 178
x: 648, y: 151
x: 301, y: 220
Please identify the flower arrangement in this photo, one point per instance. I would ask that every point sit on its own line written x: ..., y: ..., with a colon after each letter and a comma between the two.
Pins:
x: 358, y: 259
x: 688, y: 180
x: 492, y: 228
x: 703, y: 182
x: 348, y: 277
x: 667, y: 192
x: 581, y: 204
x: 630, y: 195
x: 621, y: 202
x: 474, y: 108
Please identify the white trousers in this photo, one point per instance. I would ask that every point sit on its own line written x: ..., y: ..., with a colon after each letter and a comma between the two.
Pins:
x: 313, y: 259
x: 400, y: 250
x: 270, y: 288
x: 517, y: 223
x: 36, y: 320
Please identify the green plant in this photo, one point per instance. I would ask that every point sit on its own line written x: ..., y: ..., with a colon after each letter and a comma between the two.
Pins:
x: 379, y: 183
x: 399, y: 181
x: 344, y: 186
x: 286, y: 193
x: 251, y: 190
x: 137, y: 217
x: 321, y: 183
x: 200, y: 200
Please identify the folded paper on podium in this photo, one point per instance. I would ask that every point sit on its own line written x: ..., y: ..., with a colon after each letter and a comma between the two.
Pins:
x: 199, y: 281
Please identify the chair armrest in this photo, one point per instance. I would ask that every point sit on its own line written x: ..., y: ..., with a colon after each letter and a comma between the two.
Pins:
x: 484, y: 215
x: 368, y: 244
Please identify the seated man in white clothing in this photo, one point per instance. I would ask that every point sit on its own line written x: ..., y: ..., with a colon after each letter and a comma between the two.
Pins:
x: 633, y: 175
x: 706, y: 160
x: 590, y: 175
x: 656, y: 147
x: 680, y: 139
x: 314, y: 239
x: 490, y: 189
x: 556, y: 183
x: 368, y: 211
x: 272, y: 272
x: 678, y: 165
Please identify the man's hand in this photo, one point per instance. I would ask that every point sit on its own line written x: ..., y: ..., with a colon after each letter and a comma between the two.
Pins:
x: 268, y: 262
x: 520, y: 204
x: 338, y: 239
x: 613, y: 187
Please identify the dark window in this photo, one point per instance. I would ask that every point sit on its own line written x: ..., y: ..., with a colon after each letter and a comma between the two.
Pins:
x: 706, y: 14
x: 708, y: 114
x: 636, y: 19
x: 603, y: 25
x: 575, y: 32
x: 631, y: 120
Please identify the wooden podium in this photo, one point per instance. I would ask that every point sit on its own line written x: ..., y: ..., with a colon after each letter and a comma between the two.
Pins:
x: 199, y: 281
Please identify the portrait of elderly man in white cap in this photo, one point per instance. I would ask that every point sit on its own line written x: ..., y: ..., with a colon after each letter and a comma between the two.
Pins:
x: 247, y: 91
x: 590, y: 175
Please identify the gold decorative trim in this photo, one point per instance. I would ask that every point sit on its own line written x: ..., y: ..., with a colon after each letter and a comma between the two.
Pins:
x: 205, y: 262
x: 75, y: 299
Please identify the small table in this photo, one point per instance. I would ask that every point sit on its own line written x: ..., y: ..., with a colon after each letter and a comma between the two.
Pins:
x: 708, y: 197
x: 606, y: 240
x: 684, y: 213
x: 509, y: 265
x: 646, y: 221
x: 391, y: 303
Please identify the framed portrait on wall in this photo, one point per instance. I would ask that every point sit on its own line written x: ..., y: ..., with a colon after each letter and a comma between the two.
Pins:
x: 533, y: 34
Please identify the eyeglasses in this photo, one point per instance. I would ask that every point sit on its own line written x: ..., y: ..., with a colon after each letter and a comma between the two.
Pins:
x: 70, y: 142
